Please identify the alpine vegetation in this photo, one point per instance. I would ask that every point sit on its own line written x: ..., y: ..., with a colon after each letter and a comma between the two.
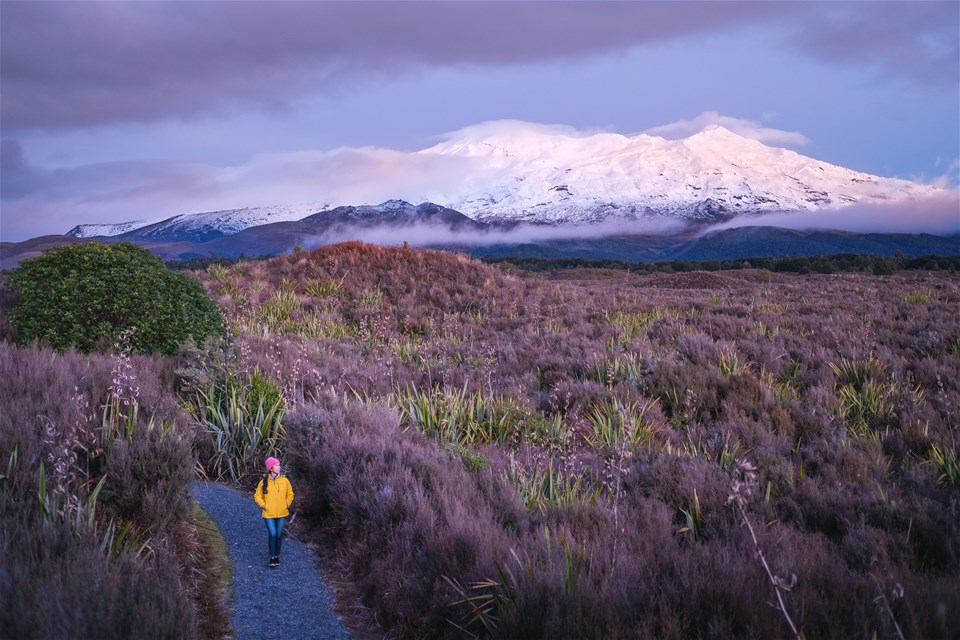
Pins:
x: 484, y: 451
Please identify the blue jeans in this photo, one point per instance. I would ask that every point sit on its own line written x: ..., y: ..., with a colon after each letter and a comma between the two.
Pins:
x: 274, y: 532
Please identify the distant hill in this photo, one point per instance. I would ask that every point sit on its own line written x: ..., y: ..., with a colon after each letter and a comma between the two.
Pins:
x: 740, y: 242
x: 436, y: 227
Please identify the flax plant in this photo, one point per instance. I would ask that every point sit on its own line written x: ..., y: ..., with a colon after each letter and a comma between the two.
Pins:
x: 624, y: 367
x: 218, y: 272
x: 634, y: 325
x: 547, y: 486
x: 861, y: 407
x: 459, y: 417
x: 277, y: 314
x: 492, y: 597
x: 947, y: 462
x: 489, y: 599
x: 327, y: 288
x: 694, y: 518
x: 729, y: 363
x: 244, y: 421
x: 725, y: 452
x: 83, y: 516
x: 614, y: 423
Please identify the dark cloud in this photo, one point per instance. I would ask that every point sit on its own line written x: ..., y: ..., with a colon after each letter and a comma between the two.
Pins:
x: 70, y: 64
x: 918, y: 40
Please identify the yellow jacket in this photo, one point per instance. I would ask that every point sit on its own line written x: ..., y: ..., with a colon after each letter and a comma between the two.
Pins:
x: 276, y: 504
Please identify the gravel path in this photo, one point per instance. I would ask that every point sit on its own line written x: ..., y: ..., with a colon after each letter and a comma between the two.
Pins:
x: 290, y: 601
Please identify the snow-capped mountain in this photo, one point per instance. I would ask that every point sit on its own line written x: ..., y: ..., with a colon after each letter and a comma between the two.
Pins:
x: 509, y: 171
x: 543, y: 174
x: 94, y: 230
x: 199, y: 227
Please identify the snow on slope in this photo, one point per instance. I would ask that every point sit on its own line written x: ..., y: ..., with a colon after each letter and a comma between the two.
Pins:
x: 547, y: 174
x: 94, y: 230
x: 225, y: 222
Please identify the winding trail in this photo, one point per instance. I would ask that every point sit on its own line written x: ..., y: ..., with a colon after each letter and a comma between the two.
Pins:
x: 290, y: 601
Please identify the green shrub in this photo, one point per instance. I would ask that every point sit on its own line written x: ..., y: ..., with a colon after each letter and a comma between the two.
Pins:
x: 83, y: 294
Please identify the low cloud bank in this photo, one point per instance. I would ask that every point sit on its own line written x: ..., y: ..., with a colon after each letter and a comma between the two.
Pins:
x: 938, y: 214
x: 434, y: 234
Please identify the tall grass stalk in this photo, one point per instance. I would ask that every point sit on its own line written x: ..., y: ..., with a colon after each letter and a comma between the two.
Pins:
x: 745, y: 480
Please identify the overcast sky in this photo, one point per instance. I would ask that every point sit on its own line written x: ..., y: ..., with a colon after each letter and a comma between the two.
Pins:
x: 117, y: 111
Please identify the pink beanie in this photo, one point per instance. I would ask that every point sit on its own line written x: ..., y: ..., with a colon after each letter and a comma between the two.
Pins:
x: 271, y: 461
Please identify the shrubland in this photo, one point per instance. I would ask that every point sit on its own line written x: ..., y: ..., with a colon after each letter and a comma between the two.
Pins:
x: 85, y: 295
x: 586, y: 453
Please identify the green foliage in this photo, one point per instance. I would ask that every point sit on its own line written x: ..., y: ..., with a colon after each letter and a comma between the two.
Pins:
x: 549, y: 486
x: 614, y: 423
x: 326, y: 288
x: 923, y: 296
x: 472, y: 461
x: 276, y: 315
x: 694, y: 519
x: 729, y: 363
x: 625, y: 367
x: 83, y: 294
x: 947, y: 461
x: 242, y: 416
x: 634, y: 325
x: 460, y: 417
x: 864, y: 402
x: 725, y: 452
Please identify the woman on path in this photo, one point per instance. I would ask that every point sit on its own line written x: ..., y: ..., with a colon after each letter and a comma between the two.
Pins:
x: 274, y: 495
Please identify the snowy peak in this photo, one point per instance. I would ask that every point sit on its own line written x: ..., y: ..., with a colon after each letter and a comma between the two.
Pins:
x: 555, y: 174
x: 200, y: 227
x: 95, y: 230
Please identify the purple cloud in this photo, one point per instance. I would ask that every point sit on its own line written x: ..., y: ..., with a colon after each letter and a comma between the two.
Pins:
x: 916, y: 40
x: 67, y: 64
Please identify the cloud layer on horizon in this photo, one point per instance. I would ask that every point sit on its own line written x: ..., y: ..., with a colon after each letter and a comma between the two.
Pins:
x: 939, y: 215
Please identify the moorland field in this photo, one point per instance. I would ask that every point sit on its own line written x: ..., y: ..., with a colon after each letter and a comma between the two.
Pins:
x: 484, y: 451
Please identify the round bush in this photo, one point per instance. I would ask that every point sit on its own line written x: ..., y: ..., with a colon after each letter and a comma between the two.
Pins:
x: 80, y: 294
